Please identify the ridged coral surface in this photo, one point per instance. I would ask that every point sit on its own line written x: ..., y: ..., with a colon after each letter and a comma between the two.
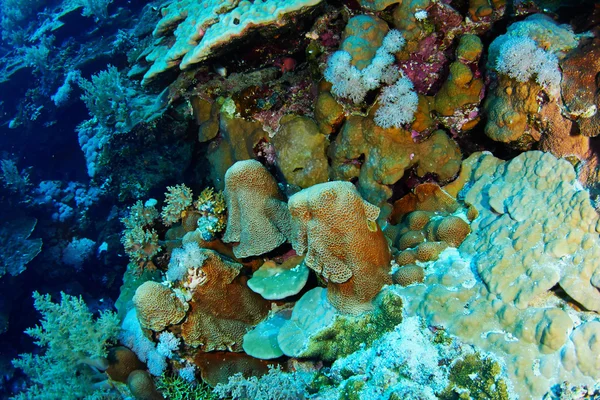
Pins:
x: 336, y: 230
x: 258, y: 219
x: 537, y: 228
x: 158, y: 306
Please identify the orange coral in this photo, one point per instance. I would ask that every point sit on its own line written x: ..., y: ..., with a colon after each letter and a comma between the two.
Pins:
x: 142, y: 387
x: 121, y: 363
x: 336, y: 229
x: 258, y: 219
x: 430, y: 251
x: 158, y: 306
x: 222, y: 308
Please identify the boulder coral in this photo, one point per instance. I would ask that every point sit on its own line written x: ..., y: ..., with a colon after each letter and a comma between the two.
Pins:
x: 301, y: 151
x: 380, y: 157
x: 336, y: 230
x: 521, y: 282
x: 529, y: 249
x: 524, y: 102
x: 258, y: 219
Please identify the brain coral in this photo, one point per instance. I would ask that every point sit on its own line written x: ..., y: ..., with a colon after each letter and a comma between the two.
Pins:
x: 408, y: 274
x: 540, y: 230
x: 258, y: 219
x: 158, y: 306
x: 336, y: 229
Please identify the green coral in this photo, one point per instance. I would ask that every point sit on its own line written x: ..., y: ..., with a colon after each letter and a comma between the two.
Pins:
x: 177, y: 199
x: 352, y: 388
x: 475, y: 377
x: 73, y: 341
x: 176, y: 388
x: 349, y: 334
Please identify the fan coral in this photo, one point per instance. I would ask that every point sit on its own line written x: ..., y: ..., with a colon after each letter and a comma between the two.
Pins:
x: 17, y: 248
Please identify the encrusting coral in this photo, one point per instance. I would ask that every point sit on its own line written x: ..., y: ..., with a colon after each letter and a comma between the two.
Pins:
x: 388, y: 154
x: 336, y: 230
x: 517, y: 284
x: 222, y: 307
x: 258, y: 219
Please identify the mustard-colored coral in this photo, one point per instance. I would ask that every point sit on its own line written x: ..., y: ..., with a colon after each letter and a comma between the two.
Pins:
x: 388, y: 154
x: 301, y: 151
x: 158, y: 306
x: 258, y: 219
x: 336, y: 229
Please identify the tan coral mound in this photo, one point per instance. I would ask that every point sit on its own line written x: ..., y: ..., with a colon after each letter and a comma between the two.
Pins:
x: 541, y: 229
x: 452, y: 230
x: 258, y: 219
x: 222, y: 308
x: 158, y: 306
x: 336, y: 229
x: 407, y: 275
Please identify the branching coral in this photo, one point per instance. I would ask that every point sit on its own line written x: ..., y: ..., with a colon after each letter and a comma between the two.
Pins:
x: 177, y: 199
x: 139, y: 238
x: 213, y: 215
x: 72, y: 339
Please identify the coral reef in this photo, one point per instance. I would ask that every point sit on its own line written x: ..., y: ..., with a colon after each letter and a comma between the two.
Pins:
x: 71, y: 336
x: 390, y: 199
x: 17, y: 248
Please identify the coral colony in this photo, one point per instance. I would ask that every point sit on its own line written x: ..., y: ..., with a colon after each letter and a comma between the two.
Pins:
x: 300, y: 199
